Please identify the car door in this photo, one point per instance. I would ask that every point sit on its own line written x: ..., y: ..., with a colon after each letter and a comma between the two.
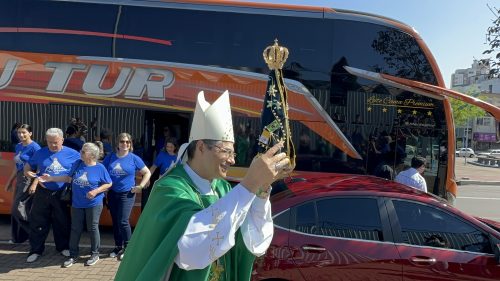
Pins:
x: 343, y: 239
x: 435, y: 244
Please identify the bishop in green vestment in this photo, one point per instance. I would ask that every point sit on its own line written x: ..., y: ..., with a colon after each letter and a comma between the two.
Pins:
x: 196, y: 227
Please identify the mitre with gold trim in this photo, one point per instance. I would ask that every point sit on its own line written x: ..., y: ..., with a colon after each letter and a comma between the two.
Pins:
x: 210, y: 122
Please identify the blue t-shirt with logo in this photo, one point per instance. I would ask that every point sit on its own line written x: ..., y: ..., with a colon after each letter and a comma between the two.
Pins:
x: 122, y: 170
x: 164, y: 160
x: 54, y: 163
x: 85, y: 179
x: 24, y: 153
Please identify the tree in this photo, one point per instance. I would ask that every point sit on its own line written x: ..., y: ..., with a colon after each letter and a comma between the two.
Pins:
x: 493, y: 40
x: 462, y: 112
x: 403, y: 56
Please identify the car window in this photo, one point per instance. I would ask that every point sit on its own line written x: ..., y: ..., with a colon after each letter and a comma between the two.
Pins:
x: 350, y: 218
x: 424, y: 225
x: 282, y: 219
x: 306, y: 218
x: 356, y: 218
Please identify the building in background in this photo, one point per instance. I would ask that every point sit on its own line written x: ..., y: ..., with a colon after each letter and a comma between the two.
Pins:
x: 481, y: 133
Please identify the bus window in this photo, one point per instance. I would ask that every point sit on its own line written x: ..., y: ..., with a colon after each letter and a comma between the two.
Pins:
x: 60, y: 27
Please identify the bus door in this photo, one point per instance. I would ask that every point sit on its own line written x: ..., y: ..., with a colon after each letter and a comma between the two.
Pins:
x: 159, y: 126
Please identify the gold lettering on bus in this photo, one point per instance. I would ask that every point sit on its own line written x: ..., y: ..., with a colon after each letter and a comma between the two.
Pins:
x: 389, y: 101
x: 414, y: 103
x: 374, y: 100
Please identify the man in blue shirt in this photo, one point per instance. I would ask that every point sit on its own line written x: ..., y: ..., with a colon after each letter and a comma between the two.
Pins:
x: 55, y: 160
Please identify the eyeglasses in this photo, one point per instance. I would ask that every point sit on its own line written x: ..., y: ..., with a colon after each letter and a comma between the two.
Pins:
x: 124, y: 141
x: 225, y: 151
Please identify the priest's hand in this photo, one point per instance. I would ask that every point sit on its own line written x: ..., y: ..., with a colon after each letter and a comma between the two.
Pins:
x: 266, y: 168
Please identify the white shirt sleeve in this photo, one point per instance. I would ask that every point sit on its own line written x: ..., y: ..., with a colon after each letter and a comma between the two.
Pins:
x: 258, y: 229
x: 213, y: 229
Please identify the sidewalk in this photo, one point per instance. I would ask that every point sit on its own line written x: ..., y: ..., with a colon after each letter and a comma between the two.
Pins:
x: 13, y: 264
x: 471, y: 172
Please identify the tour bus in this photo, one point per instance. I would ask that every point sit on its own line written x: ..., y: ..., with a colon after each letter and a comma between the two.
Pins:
x: 363, y: 89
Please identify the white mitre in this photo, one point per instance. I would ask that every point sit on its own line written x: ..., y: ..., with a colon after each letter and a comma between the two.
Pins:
x: 210, y: 122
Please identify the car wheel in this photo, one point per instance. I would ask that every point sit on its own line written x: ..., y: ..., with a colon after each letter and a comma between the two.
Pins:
x: 472, y: 155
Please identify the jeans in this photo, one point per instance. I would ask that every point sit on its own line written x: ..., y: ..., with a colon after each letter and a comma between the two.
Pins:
x: 120, y: 206
x: 78, y: 218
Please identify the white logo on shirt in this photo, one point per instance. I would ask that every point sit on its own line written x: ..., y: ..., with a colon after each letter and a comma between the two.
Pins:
x: 118, y: 171
x: 82, y: 180
x: 17, y: 159
x: 55, y: 167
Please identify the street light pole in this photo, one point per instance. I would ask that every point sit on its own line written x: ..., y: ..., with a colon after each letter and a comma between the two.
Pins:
x: 466, y: 140
x: 466, y: 134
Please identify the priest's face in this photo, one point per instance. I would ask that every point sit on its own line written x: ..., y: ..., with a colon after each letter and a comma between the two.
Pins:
x: 218, y: 158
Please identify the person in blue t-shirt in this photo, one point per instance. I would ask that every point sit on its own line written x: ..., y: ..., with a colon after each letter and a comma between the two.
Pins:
x: 105, y: 137
x: 72, y: 139
x: 89, y: 182
x: 122, y: 166
x: 23, y: 152
x: 166, y: 158
x: 48, y: 209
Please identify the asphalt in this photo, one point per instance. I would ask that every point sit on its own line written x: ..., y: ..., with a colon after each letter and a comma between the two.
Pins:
x: 13, y: 264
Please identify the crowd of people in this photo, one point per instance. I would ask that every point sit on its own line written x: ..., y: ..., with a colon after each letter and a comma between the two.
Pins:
x: 97, y: 174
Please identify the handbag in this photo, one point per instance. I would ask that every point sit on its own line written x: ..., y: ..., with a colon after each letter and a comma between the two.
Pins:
x: 67, y: 191
x: 23, y: 208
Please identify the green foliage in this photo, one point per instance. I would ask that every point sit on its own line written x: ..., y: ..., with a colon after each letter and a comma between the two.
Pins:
x: 463, y: 111
x: 493, y: 40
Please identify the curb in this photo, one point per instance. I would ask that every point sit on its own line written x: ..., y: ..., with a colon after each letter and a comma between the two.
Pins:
x: 7, y: 242
x: 482, y: 165
x: 469, y: 182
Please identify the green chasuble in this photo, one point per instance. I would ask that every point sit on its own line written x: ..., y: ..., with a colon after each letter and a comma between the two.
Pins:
x: 152, y: 249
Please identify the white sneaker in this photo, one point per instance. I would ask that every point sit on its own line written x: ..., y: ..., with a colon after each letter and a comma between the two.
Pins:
x: 32, y: 258
x: 65, y: 253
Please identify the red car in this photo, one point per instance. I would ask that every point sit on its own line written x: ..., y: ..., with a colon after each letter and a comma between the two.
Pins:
x: 349, y: 227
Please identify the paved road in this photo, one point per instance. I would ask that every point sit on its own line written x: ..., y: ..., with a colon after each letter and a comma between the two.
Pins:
x: 479, y: 200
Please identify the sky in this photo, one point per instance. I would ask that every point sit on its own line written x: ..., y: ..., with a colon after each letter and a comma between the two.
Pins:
x: 454, y: 30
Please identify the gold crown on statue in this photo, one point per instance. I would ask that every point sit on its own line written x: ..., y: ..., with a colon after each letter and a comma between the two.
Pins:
x: 275, y: 55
